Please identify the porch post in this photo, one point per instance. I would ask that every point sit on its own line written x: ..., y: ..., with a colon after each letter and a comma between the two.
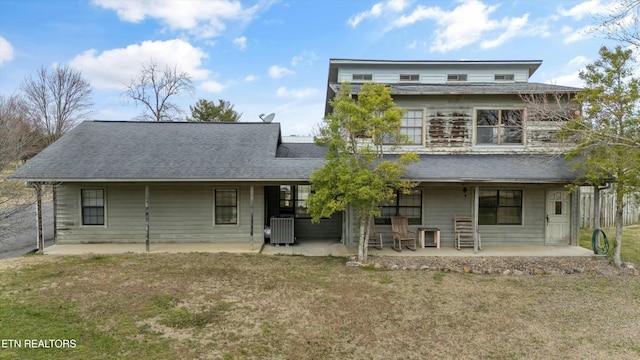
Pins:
x: 39, y: 235
x: 476, y: 204
x: 251, y: 205
x: 54, y: 194
x: 146, y: 215
x: 596, y: 207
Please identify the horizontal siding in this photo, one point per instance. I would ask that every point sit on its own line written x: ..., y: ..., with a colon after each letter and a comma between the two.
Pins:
x: 178, y: 213
x: 330, y: 228
x: 442, y: 202
x: 386, y: 74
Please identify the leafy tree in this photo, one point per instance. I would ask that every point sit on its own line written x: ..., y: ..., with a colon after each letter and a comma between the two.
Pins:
x: 155, y: 88
x: 208, y: 111
x: 608, y: 131
x: 57, y: 100
x: 355, y: 173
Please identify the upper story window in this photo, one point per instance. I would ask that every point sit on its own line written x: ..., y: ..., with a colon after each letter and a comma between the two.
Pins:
x: 409, y: 77
x: 362, y: 77
x: 410, y: 129
x: 499, y: 127
x: 503, y: 77
x: 456, y: 77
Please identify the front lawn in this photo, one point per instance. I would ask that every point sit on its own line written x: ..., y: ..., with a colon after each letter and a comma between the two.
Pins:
x: 240, y: 306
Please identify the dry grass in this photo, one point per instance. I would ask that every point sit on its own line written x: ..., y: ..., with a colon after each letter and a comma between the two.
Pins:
x: 224, y: 306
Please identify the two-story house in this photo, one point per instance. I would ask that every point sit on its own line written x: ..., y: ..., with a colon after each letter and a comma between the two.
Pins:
x: 486, y: 143
x: 482, y: 154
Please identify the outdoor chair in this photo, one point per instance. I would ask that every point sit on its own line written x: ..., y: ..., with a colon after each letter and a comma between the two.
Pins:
x: 401, y: 233
x: 375, y: 238
x: 463, y: 226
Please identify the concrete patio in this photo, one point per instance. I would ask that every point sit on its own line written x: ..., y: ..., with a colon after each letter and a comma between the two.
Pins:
x: 310, y: 248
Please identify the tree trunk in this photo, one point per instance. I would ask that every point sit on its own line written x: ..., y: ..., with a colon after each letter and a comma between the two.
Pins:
x: 619, y: 224
x: 364, y: 239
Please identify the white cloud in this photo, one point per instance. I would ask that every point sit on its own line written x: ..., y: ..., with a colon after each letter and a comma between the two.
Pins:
x: 111, y: 68
x: 513, y: 27
x: 240, y: 43
x: 572, y: 79
x: 579, y: 34
x: 377, y: 10
x: 6, y: 50
x: 465, y: 24
x: 586, y: 8
x: 307, y: 57
x: 277, y: 72
x: 203, y: 18
x: 211, y: 86
x: 296, y: 93
x: 250, y: 78
x: 578, y: 61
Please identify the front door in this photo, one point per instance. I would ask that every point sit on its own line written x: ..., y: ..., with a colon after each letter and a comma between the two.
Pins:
x: 557, y: 218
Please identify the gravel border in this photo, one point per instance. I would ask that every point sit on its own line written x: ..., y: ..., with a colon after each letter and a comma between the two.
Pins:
x: 496, y: 265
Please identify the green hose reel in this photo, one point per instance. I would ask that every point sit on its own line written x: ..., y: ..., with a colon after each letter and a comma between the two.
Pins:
x: 595, y: 243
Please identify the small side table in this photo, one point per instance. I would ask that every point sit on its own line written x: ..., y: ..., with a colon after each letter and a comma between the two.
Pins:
x: 422, y: 235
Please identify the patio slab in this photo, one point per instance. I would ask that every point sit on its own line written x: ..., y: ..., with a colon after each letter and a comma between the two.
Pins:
x: 312, y: 248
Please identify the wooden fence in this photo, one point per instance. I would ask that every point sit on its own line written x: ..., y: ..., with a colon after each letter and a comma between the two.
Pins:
x: 631, y: 211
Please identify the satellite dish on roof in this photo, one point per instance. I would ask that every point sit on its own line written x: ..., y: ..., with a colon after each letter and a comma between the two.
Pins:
x: 268, y: 118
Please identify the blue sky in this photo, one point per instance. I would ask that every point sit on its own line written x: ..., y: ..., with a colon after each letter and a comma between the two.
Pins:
x: 273, y: 55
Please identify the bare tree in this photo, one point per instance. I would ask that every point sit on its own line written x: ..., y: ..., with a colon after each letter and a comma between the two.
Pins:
x: 155, y: 88
x: 57, y: 100
x: 19, y: 139
x: 622, y: 23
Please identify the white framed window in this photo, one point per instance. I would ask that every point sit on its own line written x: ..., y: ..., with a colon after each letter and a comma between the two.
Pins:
x: 456, y: 77
x: 362, y: 77
x: 411, y: 128
x: 93, y: 204
x: 225, y: 202
x: 503, y: 77
x: 499, y: 126
x: 410, y: 77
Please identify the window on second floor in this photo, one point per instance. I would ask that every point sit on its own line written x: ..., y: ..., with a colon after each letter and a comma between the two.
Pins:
x: 456, y: 77
x: 499, y: 126
x: 503, y: 77
x: 409, y: 77
x: 410, y: 129
x: 362, y: 77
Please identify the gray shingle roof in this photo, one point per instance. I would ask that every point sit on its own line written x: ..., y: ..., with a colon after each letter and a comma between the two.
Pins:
x: 146, y: 151
x: 468, y: 88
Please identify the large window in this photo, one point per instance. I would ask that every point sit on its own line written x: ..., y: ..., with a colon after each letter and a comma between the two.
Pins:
x: 410, y: 129
x: 500, y: 207
x: 499, y: 127
x: 409, y: 205
x: 226, y: 206
x: 92, y: 206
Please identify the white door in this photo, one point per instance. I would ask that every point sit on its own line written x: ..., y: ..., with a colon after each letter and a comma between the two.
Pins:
x: 557, y: 218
